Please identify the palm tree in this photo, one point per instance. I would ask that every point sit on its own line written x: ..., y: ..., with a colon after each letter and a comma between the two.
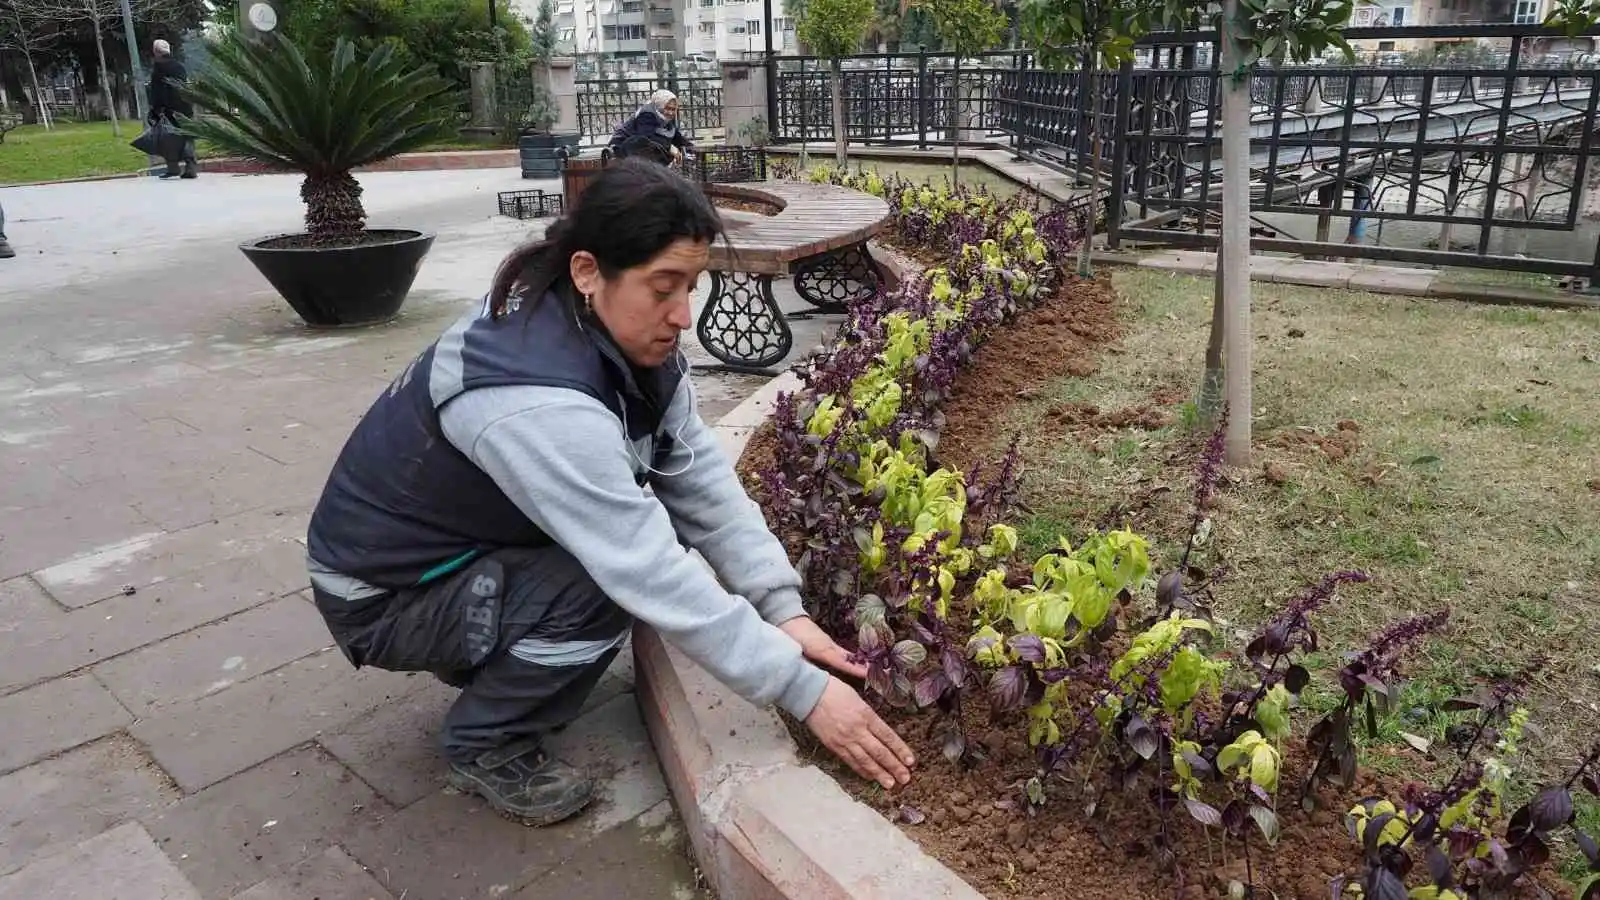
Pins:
x: 265, y: 102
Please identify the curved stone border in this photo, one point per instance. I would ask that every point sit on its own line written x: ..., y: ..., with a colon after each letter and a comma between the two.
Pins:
x: 763, y: 824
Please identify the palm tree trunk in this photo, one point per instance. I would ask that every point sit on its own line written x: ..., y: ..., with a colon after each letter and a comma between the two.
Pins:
x: 841, y: 139
x: 106, y: 80
x: 333, y: 207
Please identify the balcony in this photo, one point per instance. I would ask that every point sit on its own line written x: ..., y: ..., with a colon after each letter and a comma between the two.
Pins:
x: 661, y: 17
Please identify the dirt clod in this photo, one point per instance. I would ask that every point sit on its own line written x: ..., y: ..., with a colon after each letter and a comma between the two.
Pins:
x: 1274, y: 473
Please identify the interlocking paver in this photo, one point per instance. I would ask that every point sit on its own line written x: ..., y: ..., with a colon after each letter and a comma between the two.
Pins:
x: 54, y: 716
x: 395, y: 748
x: 154, y: 557
x: 47, y: 641
x: 330, y: 875
x: 203, y: 742
x: 214, y: 658
x: 121, y: 864
x: 260, y: 823
x: 52, y: 805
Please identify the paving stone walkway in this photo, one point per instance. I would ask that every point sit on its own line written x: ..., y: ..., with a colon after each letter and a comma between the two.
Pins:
x: 176, y: 723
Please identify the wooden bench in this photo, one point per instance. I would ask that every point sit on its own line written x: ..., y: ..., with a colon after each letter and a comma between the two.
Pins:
x: 818, y: 236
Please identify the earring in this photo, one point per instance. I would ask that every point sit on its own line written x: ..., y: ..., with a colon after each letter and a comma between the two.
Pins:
x: 588, y: 303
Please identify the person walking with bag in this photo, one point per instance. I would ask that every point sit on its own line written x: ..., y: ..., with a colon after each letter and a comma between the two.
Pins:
x: 529, y: 486
x: 166, y: 102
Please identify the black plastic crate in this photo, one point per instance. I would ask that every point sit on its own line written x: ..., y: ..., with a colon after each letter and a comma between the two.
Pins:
x: 530, y: 204
x: 727, y: 165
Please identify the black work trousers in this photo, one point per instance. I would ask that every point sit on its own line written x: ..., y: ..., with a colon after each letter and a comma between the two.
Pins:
x: 524, y: 632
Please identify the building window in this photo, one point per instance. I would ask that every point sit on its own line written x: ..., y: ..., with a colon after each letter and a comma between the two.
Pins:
x: 1385, y: 46
x: 709, y: 28
x: 783, y: 24
x: 567, y: 34
x: 1527, y: 12
x: 736, y: 28
x: 624, y: 33
x: 753, y: 26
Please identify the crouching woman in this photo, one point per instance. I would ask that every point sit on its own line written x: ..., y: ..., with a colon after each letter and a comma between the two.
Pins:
x: 527, y: 488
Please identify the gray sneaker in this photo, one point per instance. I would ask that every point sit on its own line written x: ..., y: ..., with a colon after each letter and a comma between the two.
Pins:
x: 5, y: 249
x: 523, y: 782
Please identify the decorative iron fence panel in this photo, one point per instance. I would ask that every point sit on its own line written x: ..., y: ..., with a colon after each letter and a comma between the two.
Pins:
x: 891, y: 99
x: 1446, y: 145
x: 604, y: 102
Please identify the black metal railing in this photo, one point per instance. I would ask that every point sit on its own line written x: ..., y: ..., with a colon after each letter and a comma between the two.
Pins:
x: 1488, y: 149
x: 891, y: 99
x: 604, y: 102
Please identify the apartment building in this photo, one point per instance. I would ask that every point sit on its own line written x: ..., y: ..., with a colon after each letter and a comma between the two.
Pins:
x: 728, y: 29
x: 612, y: 28
x: 1401, y: 13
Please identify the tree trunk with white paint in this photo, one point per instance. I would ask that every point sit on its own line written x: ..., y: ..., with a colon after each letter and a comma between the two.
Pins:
x: 106, y: 81
x: 841, y: 140
x: 1234, y: 255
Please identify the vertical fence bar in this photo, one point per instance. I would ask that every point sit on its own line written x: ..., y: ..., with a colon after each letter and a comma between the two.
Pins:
x: 1507, y: 92
x: 923, y: 89
x: 1119, y: 154
x: 1418, y: 154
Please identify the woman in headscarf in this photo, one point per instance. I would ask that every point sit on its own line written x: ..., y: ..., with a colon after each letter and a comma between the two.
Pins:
x: 653, y: 130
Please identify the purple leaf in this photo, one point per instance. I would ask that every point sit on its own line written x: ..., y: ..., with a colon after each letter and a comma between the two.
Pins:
x: 1234, y: 815
x: 1550, y: 808
x: 955, y: 668
x: 930, y: 688
x: 1198, y: 763
x: 1007, y: 687
x: 1029, y: 647
x: 1296, y: 678
x: 1141, y: 737
x: 1204, y: 813
x: 1591, y: 851
x: 1169, y: 590
x: 909, y: 654
x: 1591, y: 782
x: 870, y: 638
x: 1382, y: 884
x: 878, y: 679
x: 911, y: 815
x: 1439, y: 867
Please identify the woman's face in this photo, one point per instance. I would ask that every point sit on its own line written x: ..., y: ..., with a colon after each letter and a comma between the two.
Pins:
x: 671, y: 108
x: 646, y: 307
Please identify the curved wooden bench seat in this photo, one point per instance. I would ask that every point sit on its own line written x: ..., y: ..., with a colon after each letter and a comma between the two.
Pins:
x: 818, y: 236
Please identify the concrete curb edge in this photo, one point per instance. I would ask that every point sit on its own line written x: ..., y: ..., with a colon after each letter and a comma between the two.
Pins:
x: 763, y: 824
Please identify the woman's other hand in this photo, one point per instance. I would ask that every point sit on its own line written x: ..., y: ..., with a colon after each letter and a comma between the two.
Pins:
x: 821, y: 649
x: 847, y: 726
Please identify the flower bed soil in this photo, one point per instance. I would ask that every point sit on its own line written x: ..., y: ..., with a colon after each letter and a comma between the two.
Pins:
x: 971, y: 820
x: 749, y: 206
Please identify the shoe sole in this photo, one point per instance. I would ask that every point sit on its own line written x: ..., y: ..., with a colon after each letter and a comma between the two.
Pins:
x: 469, y: 785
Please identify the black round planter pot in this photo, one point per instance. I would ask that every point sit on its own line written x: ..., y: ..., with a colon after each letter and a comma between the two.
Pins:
x: 341, y: 287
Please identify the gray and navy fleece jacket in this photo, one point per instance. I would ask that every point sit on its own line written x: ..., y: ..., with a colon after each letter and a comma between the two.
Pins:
x: 533, y: 429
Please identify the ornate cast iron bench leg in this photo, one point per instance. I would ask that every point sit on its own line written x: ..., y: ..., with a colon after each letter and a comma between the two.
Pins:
x: 742, y: 326
x: 832, y: 281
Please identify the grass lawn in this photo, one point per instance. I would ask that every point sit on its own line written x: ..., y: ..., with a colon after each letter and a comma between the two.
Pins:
x: 1470, y: 478
x: 79, y: 150
x: 74, y: 150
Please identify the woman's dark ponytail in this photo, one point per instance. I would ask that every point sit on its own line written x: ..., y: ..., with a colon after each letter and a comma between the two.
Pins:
x: 630, y: 212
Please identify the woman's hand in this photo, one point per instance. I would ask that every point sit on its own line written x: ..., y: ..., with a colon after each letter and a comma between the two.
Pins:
x: 821, y: 649
x: 847, y: 725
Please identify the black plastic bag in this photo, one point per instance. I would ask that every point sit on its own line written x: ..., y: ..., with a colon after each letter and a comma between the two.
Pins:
x: 159, y: 139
